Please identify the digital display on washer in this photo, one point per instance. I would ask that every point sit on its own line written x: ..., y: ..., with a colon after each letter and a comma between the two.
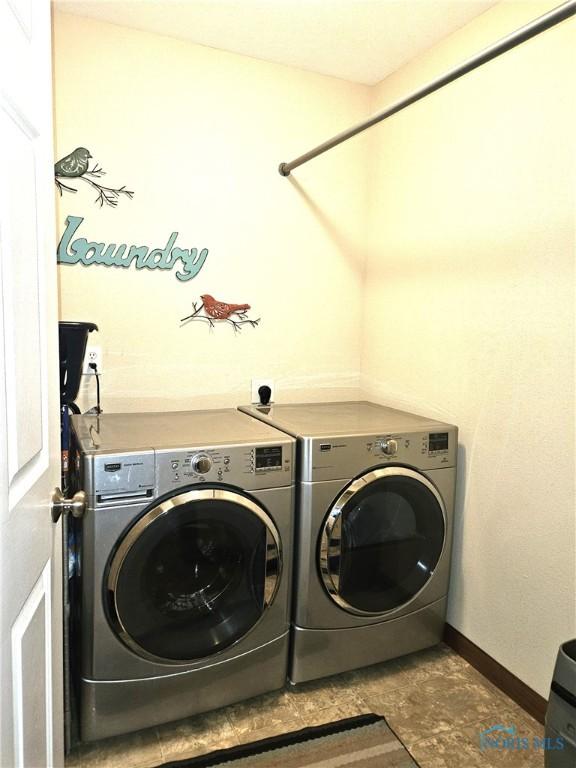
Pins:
x: 269, y: 457
x: 438, y: 441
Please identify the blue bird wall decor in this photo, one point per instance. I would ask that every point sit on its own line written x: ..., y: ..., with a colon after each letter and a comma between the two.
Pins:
x: 76, y: 165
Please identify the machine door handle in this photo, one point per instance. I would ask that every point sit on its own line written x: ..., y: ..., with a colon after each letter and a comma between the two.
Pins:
x: 272, y: 569
x: 331, y: 549
x: 76, y: 506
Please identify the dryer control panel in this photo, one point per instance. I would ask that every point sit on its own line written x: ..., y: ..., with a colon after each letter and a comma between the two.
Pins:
x: 342, y: 457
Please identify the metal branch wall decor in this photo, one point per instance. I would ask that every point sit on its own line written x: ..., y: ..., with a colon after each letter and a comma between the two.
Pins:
x: 76, y: 166
x: 186, y: 262
x: 220, y: 311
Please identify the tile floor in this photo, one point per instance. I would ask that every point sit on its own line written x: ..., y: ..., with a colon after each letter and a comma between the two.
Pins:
x: 434, y: 700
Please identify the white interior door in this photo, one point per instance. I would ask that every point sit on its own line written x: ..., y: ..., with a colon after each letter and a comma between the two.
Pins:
x: 31, y: 709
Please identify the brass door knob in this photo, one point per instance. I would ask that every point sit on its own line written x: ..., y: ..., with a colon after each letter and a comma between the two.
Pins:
x: 76, y: 506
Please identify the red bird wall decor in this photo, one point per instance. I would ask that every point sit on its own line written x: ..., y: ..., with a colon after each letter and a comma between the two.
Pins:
x: 211, y: 310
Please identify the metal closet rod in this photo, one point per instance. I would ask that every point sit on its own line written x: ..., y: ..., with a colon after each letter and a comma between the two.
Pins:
x: 550, y: 19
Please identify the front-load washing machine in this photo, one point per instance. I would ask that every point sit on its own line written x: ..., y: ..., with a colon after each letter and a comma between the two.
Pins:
x: 185, y: 564
x: 375, y: 504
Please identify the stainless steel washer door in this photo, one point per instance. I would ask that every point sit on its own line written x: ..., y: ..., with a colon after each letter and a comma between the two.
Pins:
x: 193, y: 575
x: 381, y: 540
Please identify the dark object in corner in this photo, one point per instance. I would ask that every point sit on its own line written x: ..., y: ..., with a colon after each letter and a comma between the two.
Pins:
x: 264, y: 393
x: 561, y: 711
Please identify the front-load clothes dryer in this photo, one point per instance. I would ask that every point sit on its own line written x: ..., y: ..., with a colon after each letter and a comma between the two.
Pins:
x: 185, y: 564
x: 375, y: 507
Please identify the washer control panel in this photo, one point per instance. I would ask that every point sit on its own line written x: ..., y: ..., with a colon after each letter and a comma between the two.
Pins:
x: 268, y: 459
x: 260, y: 466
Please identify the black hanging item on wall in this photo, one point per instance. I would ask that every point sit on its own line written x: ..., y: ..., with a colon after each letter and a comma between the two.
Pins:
x: 72, y: 338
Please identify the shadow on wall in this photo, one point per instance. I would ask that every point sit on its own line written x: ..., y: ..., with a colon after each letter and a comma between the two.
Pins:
x: 456, y: 571
x: 342, y: 241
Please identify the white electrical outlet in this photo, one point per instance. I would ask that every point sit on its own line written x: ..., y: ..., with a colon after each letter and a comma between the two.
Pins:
x: 256, y: 384
x: 93, y: 355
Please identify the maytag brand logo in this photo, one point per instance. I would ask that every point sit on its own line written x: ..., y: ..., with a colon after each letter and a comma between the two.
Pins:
x: 112, y: 467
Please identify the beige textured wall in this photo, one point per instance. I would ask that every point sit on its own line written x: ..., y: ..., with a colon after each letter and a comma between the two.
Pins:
x: 469, y: 316
x: 198, y: 134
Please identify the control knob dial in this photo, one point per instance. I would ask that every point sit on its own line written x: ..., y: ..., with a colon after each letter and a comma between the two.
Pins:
x: 389, y: 447
x: 201, y: 463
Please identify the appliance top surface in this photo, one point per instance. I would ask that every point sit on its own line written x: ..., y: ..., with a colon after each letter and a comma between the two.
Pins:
x: 307, y: 420
x: 115, y: 432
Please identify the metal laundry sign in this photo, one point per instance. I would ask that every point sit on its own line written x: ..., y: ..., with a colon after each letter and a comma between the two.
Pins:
x: 187, y: 261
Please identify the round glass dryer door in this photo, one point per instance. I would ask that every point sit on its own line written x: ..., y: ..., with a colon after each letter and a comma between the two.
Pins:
x: 193, y: 575
x: 382, y: 540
